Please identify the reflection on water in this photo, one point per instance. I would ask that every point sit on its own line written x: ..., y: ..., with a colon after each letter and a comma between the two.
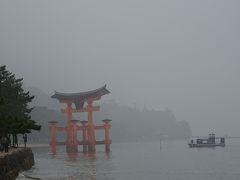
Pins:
x: 72, y: 157
x: 72, y: 166
x: 89, y: 166
x: 140, y: 161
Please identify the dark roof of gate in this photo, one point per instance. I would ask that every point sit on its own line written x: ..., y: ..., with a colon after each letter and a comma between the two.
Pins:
x: 81, y: 96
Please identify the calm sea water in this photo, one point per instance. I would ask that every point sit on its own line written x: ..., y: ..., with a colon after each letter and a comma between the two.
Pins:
x: 141, y: 161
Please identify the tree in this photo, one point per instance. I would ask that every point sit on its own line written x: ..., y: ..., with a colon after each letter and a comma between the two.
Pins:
x: 14, y: 109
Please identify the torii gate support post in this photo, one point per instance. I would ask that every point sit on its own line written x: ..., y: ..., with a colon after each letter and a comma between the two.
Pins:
x: 91, y: 128
x: 107, y: 141
x: 70, y: 138
x: 72, y: 146
x: 53, y: 141
x: 84, y: 136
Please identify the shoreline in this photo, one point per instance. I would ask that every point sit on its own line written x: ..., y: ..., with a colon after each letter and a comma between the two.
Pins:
x: 15, y: 161
x: 35, y: 145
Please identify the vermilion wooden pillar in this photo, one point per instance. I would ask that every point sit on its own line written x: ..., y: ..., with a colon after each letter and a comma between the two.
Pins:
x: 70, y: 134
x: 91, y: 128
x: 69, y: 112
x: 107, y: 141
x: 72, y: 145
x: 84, y: 136
x: 53, y: 131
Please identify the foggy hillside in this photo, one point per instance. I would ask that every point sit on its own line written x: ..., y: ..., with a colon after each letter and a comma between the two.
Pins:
x: 128, y: 123
x: 42, y: 99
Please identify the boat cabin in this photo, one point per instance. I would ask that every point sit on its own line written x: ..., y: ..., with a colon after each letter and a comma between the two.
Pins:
x: 211, y: 141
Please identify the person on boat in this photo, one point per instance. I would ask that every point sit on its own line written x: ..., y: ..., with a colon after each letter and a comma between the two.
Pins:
x: 222, y: 140
x: 191, y: 141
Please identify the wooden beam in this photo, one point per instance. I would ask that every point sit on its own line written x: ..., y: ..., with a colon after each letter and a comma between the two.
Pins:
x: 103, y: 142
x: 79, y: 128
x: 61, y: 129
x: 65, y: 101
x: 99, y: 127
x: 94, y: 108
x: 61, y: 143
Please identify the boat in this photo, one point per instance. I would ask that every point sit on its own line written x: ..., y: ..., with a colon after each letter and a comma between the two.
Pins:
x: 211, y: 141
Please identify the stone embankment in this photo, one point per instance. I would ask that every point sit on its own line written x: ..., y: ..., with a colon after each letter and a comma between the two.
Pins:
x: 15, y: 161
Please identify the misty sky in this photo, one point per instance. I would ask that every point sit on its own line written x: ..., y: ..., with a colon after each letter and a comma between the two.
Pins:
x: 180, y: 54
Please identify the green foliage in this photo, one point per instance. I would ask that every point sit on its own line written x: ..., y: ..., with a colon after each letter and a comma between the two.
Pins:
x: 14, y: 110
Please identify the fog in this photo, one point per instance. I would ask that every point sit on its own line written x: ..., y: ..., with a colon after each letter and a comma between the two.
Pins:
x: 182, y: 55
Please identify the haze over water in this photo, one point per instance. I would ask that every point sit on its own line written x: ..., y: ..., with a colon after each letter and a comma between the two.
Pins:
x: 141, y: 161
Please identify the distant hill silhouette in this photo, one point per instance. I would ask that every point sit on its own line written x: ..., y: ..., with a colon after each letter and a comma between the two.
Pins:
x: 128, y: 124
x: 42, y: 99
x: 133, y: 124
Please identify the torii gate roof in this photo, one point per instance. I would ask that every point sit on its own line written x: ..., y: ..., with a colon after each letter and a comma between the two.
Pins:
x: 82, y: 96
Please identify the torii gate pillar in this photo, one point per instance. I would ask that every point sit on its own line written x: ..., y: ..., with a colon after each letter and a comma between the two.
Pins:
x: 91, y: 128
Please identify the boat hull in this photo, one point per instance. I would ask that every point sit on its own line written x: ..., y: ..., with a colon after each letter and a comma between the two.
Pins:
x: 205, y: 145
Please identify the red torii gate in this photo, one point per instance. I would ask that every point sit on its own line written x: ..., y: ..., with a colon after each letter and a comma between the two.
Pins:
x: 83, y: 103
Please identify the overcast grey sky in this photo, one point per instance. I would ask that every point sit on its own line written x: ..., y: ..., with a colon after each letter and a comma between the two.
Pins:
x: 180, y: 54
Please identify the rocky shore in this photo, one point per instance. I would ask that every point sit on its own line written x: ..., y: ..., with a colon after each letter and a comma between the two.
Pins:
x: 15, y: 161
